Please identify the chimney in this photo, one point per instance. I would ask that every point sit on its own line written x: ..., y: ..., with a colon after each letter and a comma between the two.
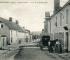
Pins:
x: 10, y: 19
x: 47, y: 15
x: 17, y: 22
x: 56, y: 6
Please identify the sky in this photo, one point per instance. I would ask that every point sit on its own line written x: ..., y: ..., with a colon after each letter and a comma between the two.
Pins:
x: 30, y: 15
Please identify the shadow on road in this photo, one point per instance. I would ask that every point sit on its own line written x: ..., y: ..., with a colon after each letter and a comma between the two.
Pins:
x: 19, y: 55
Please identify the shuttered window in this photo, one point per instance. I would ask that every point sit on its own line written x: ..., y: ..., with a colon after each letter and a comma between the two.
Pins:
x: 60, y: 19
x: 67, y: 11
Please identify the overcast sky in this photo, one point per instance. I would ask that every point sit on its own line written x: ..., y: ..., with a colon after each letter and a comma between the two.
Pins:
x: 29, y: 15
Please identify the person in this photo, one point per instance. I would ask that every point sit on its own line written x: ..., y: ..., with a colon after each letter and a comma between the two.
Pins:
x: 58, y: 47
x: 50, y: 46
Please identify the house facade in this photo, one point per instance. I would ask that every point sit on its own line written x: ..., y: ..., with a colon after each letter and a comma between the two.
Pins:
x: 59, y: 25
x: 28, y: 36
x: 4, y: 34
x: 10, y: 33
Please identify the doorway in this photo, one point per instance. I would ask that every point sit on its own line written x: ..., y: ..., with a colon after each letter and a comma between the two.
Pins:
x: 3, y: 41
x: 67, y: 36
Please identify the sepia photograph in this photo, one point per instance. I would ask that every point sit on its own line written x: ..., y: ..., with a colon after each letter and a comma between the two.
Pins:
x: 34, y: 29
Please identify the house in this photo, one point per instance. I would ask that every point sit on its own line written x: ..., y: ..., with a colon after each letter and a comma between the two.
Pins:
x: 27, y: 36
x: 47, y: 24
x: 36, y: 35
x: 59, y: 25
x: 9, y: 32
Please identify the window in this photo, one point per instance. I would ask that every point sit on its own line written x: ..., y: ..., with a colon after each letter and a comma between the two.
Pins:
x: 56, y: 21
x: 60, y: 19
x: 11, y: 40
x: 67, y: 11
x: 3, y: 41
x: 1, y: 25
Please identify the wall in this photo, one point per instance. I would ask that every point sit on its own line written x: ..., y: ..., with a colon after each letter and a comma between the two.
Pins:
x: 46, y: 26
x: 61, y: 19
x: 4, y: 31
x: 21, y: 36
x: 13, y: 36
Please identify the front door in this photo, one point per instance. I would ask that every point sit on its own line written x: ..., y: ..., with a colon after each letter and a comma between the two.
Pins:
x: 3, y: 41
x: 67, y: 41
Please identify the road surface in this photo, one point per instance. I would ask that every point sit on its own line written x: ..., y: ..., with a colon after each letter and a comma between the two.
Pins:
x: 34, y: 54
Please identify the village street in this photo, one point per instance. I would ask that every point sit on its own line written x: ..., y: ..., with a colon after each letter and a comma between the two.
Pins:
x: 27, y: 26
x: 35, y: 54
x: 32, y: 53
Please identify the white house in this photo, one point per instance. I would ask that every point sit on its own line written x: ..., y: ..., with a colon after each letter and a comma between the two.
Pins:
x: 10, y: 32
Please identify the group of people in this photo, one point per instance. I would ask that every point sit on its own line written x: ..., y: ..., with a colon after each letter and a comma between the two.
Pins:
x: 54, y: 46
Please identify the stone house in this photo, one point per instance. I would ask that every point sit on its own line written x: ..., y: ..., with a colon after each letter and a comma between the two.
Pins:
x: 9, y: 32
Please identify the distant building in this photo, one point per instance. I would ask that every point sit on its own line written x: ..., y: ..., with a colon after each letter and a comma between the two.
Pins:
x: 46, y: 24
x: 36, y: 35
x: 28, y: 36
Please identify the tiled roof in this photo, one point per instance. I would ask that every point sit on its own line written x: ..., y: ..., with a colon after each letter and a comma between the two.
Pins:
x: 11, y: 25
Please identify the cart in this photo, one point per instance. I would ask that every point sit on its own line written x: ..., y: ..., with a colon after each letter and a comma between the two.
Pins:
x: 44, y: 42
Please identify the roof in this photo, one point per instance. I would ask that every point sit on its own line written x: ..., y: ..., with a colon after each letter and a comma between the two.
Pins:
x: 68, y: 3
x: 11, y: 25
